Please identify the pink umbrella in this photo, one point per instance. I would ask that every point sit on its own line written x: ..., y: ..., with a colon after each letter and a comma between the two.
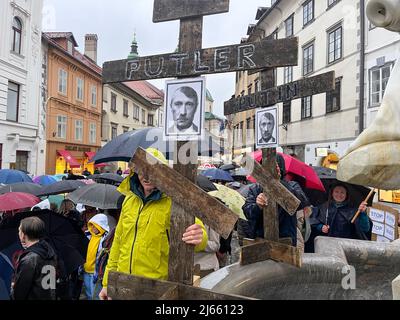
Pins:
x: 17, y: 200
x: 296, y: 170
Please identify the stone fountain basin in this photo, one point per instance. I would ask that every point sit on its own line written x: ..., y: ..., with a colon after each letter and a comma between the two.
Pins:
x: 376, y: 265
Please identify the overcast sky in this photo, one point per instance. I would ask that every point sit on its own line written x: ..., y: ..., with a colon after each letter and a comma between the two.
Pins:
x: 116, y: 21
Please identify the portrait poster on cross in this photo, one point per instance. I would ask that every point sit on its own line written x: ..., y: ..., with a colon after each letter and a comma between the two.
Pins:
x: 267, y: 133
x: 184, y: 109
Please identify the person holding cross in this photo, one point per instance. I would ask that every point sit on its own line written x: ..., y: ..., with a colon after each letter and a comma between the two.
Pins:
x: 256, y: 201
x: 141, y: 241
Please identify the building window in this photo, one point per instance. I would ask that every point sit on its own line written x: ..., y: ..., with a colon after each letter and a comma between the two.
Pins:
x: 94, y: 96
x: 288, y: 74
x: 150, y: 120
x: 70, y: 47
x: 114, y: 131
x: 62, y: 127
x: 289, y: 29
x: 274, y: 35
x: 113, y: 102
x: 126, y: 110
x: 249, y: 88
x: 287, y: 106
x: 13, y: 101
x: 333, y: 98
x: 136, y: 111
x: 335, y: 44
x: 92, y: 133
x: 17, y: 35
x: 242, y: 136
x: 256, y: 86
x: 306, y: 107
x: 62, y: 81
x: 79, y: 89
x: 308, y: 12
x: 308, y: 59
x: 21, y: 162
x: 143, y: 116
x: 125, y: 129
x: 379, y: 78
x: 1, y: 155
x: 78, y: 130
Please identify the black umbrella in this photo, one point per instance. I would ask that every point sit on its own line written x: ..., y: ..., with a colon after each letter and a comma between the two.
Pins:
x: 123, y: 147
x: 229, y: 167
x: 60, y: 187
x: 112, y: 177
x: 25, y: 187
x: 102, y: 196
x: 68, y: 240
x: 205, y: 184
x: 357, y: 194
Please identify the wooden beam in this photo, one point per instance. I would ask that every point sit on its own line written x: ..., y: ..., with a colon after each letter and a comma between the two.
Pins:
x: 270, y: 213
x: 167, y: 10
x: 189, y: 196
x: 274, y: 189
x: 195, y: 62
x: 276, y: 251
x: 128, y: 287
x: 287, y: 92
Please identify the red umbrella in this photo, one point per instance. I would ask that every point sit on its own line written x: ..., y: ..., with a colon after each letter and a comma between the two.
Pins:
x: 17, y: 200
x: 296, y: 170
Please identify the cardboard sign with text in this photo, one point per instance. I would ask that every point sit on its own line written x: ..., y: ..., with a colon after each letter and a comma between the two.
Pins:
x: 384, y: 220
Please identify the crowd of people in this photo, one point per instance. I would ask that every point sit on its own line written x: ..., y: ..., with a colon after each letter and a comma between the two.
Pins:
x: 135, y: 239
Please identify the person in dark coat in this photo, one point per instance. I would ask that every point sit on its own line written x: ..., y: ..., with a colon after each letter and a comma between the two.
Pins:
x: 333, y: 218
x: 256, y: 201
x: 35, y: 275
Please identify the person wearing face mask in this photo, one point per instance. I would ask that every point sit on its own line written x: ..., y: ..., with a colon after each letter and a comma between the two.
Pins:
x: 333, y: 218
x: 141, y: 241
x: 31, y: 280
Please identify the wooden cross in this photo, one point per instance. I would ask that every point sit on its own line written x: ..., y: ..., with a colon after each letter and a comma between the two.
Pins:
x: 272, y: 247
x: 190, y: 61
x: 187, y: 198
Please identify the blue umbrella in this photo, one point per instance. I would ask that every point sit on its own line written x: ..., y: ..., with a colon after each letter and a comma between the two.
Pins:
x: 8, y: 176
x: 217, y: 175
x: 123, y: 147
x: 44, y: 180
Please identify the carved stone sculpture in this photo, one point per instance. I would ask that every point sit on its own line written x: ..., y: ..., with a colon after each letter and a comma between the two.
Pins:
x: 374, y: 158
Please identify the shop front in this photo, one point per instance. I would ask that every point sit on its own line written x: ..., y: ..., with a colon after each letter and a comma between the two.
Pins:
x: 64, y: 157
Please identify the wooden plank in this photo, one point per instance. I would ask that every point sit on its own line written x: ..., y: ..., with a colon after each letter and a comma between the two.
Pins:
x: 274, y: 189
x: 189, y: 196
x: 287, y: 92
x: 129, y: 287
x: 195, y: 62
x: 167, y: 10
x: 171, y: 294
x: 270, y: 212
x: 181, y: 255
x: 276, y: 251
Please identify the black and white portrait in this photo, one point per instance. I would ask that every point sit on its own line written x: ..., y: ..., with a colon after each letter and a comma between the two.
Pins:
x: 267, y: 128
x: 184, y: 109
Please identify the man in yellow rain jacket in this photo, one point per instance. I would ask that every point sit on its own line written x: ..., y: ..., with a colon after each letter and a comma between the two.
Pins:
x: 141, y: 242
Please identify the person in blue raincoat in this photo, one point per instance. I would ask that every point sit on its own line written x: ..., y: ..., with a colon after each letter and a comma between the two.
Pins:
x: 333, y: 218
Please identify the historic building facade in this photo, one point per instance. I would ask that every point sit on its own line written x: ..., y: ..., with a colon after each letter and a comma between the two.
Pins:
x: 21, y: 142
x: 73, y: 102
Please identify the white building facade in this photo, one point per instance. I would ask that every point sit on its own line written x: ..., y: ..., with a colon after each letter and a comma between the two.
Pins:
x: 21, y: 144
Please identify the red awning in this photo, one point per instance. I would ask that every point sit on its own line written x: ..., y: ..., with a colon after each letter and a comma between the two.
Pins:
x: 90, y: 156
x: 73, y: 163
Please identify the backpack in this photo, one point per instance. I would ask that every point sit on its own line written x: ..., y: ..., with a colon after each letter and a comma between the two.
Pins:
x: 101, y: 262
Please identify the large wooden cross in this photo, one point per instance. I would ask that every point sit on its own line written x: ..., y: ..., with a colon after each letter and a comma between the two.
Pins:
x: 272, y: 247
x: 191, y: 61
